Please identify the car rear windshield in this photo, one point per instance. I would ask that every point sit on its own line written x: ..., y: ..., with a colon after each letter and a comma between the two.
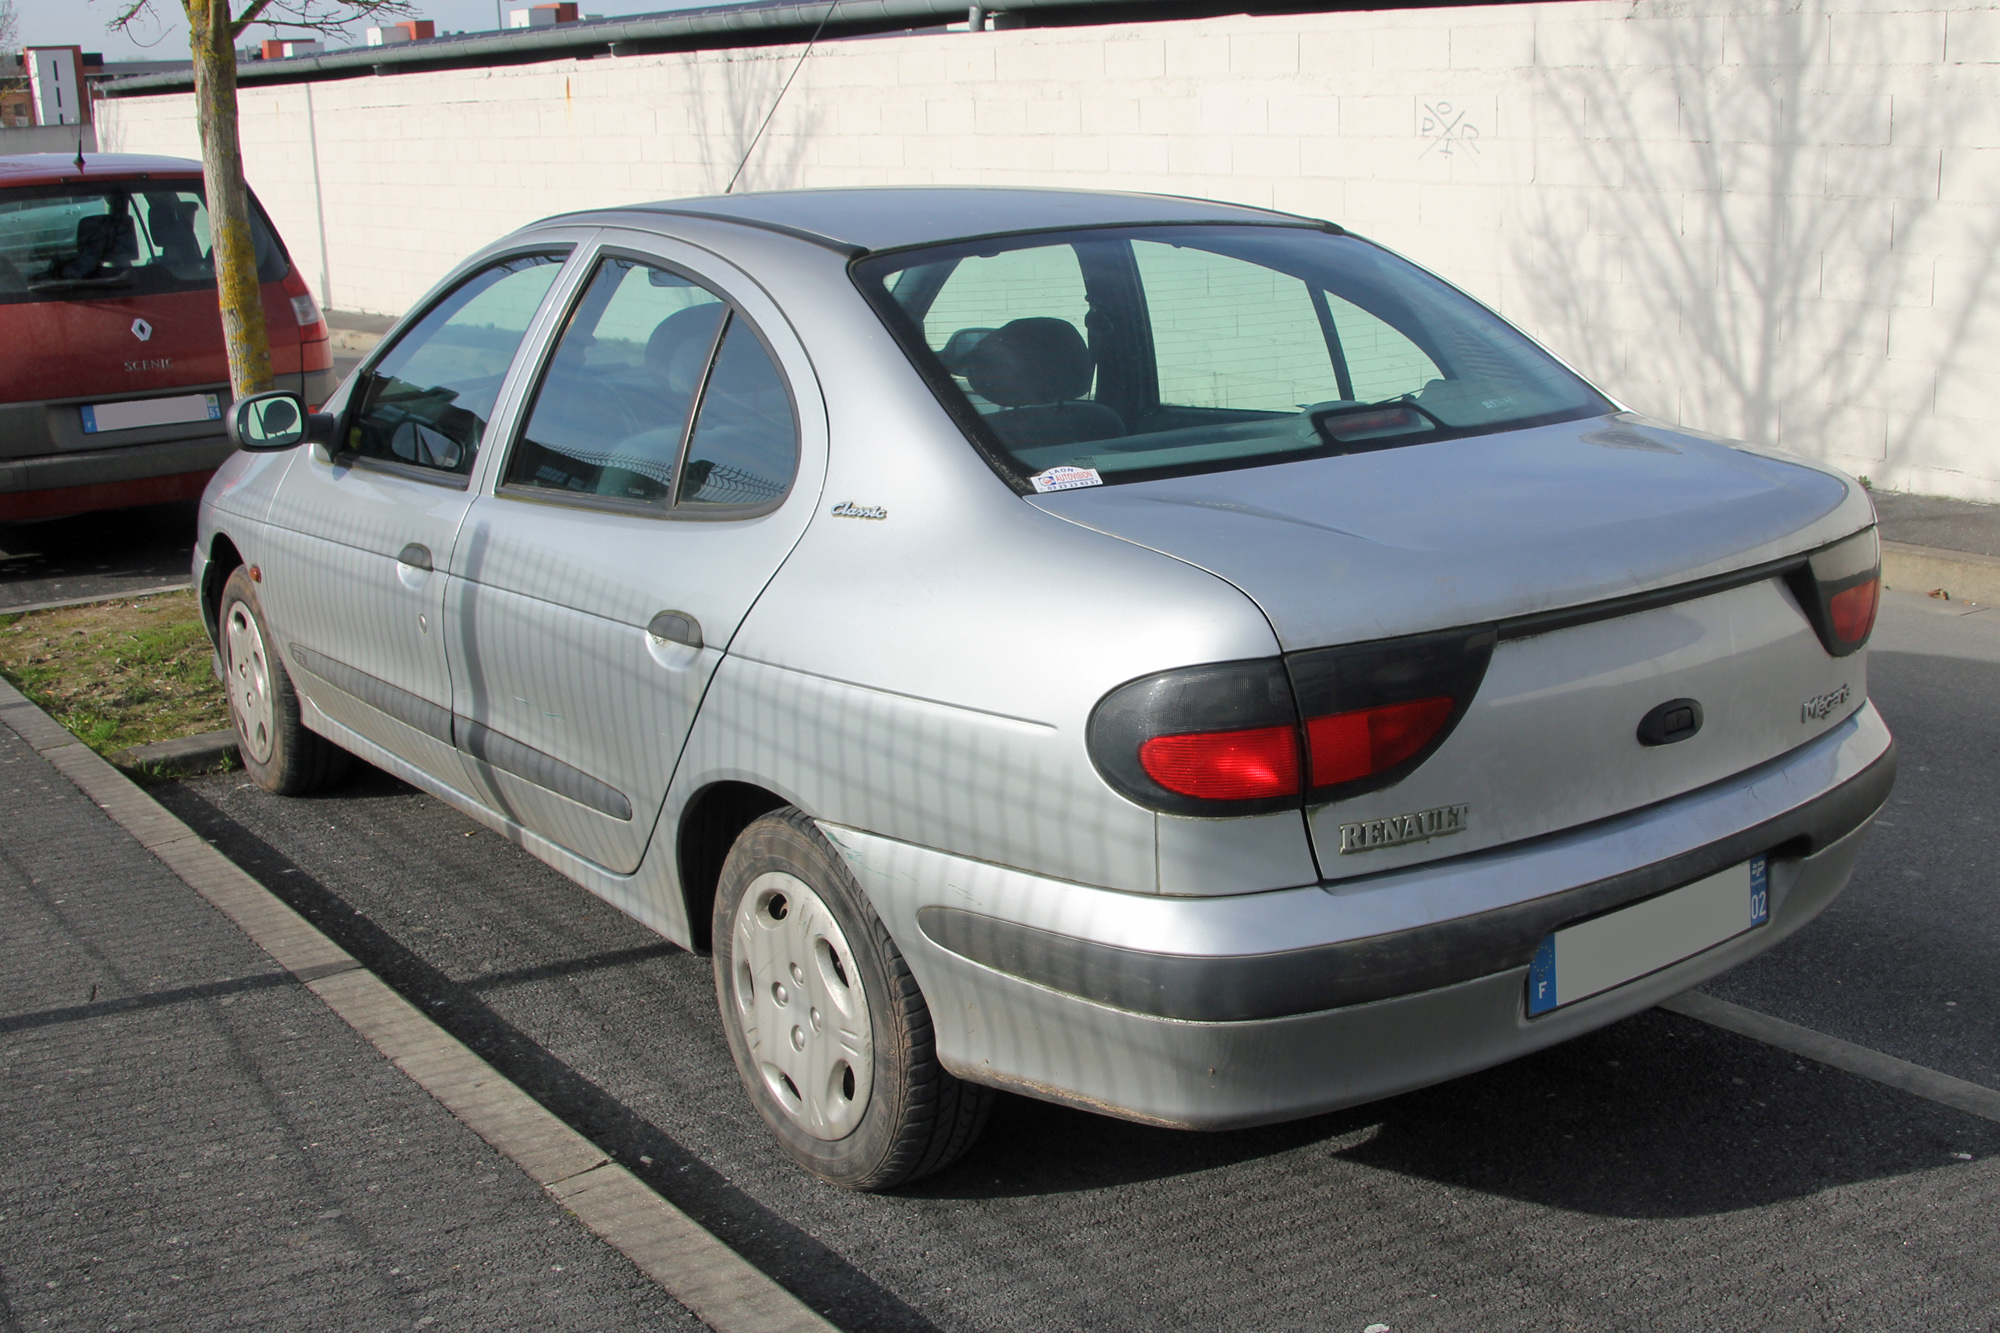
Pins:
x: 126, y: 238
x: 1123, y: 354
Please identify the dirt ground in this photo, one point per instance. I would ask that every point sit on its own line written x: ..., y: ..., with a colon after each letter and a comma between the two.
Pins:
x: 117, y: 673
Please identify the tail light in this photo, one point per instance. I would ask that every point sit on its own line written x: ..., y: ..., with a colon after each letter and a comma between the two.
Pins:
x: 1375, y: 711
x: 1240, y: 738
x: 1206, y: 740
x: 305, y: 310
x: 1840, y: 587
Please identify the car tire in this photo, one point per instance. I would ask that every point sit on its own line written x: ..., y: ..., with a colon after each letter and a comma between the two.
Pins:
x: 828, y: 1029
x: 277, y: 751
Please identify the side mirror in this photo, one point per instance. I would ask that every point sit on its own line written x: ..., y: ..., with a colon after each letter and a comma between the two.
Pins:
x: 269, y: 422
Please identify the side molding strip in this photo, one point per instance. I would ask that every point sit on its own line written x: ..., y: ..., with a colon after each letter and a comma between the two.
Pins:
x: 474, y: 738
x: 523, y: 761
x: 399, y: 703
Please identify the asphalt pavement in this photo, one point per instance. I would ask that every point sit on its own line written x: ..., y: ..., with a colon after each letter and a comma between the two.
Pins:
x: 96, y: 555
x: 1660, y: 1173
x: 190, y: 1140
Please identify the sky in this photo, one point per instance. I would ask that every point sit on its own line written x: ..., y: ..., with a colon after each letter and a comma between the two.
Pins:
x: 164, y: 36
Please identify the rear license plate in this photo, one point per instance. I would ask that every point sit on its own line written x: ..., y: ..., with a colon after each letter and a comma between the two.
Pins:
x: 1592, y: 956
x: 137, y: 412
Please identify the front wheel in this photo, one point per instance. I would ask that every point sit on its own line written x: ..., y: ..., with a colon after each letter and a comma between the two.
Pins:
x: 277, y: 750
x: 829, y: 1031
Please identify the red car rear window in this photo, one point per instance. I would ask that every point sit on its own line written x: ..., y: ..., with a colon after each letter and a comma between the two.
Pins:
x: 131, y: 238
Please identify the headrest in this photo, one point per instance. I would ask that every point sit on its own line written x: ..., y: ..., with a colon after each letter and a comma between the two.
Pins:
x: 679, y: 345
x: 1034, y: 360
x: 106, y: 238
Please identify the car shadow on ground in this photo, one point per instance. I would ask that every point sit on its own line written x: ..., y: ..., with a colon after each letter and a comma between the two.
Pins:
x: 1654, y: 1117
x: 1657, y: 1116
x: 96, y: 555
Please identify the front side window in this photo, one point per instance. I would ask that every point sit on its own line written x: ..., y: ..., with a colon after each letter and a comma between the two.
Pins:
x: 121, y: 238
x: 658, y: 395
x: 426, y: 402
x: 1156, y: 351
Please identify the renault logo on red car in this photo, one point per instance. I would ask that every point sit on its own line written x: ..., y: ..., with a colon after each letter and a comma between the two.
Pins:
x: 141, y: 330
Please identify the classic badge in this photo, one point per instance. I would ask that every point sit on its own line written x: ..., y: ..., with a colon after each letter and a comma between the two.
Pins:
x: 1395, y: 830
x: 141, y: 330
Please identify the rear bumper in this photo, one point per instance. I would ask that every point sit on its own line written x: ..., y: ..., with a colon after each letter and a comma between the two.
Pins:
x: 1220, y: 1012
x: 134, y: 474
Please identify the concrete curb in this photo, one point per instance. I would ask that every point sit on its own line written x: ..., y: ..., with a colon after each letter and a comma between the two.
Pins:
x: 355, y: 341
x: 189, y: 754
x: 716, y: 1284
x: 102, y: 597
x: 1963, y: 575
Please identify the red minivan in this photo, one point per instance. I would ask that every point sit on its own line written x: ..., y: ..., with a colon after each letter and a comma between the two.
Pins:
x: 114, y: 382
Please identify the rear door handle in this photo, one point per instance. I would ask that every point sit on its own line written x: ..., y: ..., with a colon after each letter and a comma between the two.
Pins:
x: 676, y: 627
x: 415, y: 556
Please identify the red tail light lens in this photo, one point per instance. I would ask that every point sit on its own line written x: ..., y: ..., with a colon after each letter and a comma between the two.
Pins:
x: 1839, y: 588
x: 1233, y: 738
x: 1853, y: 612
x: 1250, y: 765
x: 1377, y: 711
x: 1346, y: 747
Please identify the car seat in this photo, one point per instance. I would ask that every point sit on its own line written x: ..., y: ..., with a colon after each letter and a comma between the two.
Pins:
x: 1038, y: 370
x: 102, y: 240
x: 171, y: 222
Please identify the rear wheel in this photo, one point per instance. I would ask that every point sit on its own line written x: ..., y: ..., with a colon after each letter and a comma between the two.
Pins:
x: 278, y: 752
x: 829, y: 1031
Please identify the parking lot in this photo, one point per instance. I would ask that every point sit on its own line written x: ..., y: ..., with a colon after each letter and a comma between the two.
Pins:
x: 1661, y: 1173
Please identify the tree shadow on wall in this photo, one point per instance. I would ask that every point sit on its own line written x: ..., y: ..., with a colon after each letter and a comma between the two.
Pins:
x: 752, y: 118
x: 1741, y: 232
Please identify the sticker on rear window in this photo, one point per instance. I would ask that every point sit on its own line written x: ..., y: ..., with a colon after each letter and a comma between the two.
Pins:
x: 1065, y: 479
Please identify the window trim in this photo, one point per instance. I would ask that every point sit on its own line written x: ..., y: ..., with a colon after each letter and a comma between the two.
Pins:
x: 339, y: 455
x: 673, y: 509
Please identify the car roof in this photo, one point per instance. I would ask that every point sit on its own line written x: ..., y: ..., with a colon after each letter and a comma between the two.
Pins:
x: 891, y: 217
x: 53, y: 168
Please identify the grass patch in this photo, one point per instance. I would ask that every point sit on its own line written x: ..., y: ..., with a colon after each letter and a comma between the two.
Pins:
x: 118, y: 673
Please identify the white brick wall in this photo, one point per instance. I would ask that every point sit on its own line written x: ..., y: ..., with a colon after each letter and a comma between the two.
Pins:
x: 1768, y: 219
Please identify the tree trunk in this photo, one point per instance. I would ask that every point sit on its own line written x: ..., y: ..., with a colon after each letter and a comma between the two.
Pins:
x: 213, y: 46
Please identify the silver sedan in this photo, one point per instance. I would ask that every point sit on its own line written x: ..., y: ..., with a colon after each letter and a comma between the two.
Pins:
x: 1164, y: 657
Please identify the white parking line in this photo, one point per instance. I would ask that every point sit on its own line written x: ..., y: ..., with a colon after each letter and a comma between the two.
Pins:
x: 1972, y: 1098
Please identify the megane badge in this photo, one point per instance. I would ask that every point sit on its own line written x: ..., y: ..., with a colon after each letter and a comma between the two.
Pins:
x: 141, y: 330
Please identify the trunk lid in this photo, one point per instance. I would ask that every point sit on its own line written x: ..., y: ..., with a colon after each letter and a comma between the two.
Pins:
x: 1481, y: 530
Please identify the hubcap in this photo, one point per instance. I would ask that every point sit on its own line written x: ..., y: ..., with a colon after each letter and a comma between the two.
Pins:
x: 249, y: 672
x: 798, y: 996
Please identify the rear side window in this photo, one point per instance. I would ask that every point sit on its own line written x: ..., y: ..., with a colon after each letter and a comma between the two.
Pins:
x: 426, y: 402
x: 658, y: 395
x: 121, y: 238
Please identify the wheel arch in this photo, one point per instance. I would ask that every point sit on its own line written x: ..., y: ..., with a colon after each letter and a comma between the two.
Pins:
x: 223, y: 560
x: 709, y: 826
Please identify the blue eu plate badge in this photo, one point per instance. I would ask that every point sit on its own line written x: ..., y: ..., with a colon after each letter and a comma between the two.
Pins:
x: 1592, y: 956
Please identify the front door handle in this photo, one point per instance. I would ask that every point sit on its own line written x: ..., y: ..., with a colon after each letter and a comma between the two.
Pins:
x: 676, y: 627
x: 415, y: 556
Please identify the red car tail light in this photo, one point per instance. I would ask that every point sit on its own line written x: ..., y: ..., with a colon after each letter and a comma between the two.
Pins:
x: 1375, y: 711
x: 1839, y: 588
x: 1345, y: 747
x: 1206, y: 740
x: 1242, y: 738
x: 1226, y: 765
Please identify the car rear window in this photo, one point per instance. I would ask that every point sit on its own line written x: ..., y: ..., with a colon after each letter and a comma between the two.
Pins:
x: 132, y: 238
x: 1123, y: 354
